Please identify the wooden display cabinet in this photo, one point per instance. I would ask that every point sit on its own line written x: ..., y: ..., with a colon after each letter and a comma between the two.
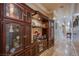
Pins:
x: 36, y: 27
x: 34, y: 49
x: 51, y: 33
x: 15, y: 29
x: 45, y: 32
x: 40, y: 25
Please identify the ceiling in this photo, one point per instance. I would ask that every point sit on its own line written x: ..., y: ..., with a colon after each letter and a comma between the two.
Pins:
x: 54, y: 6
x: 51, y: 6
x: 48, y: 8
x: 62, y: 9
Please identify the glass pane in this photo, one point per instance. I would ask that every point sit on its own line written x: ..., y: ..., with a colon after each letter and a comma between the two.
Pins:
x: 13, y: 11
x: 28, y: 17
x: 25, y: 16
x: 7, y: 12
x: 13, y: 37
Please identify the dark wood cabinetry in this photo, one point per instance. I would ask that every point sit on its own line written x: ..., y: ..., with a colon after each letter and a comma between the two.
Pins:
x: 15, y: 31
x: 34, y: 49
x: 51, y: 33
x: 42, y: 32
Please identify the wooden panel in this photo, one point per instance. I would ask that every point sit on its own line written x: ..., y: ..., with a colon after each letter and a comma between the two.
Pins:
x: 34, y: 49
x: 45, y: 44
x: 51, y: 34
x: 20, y: 53
x: 1, y: 28
x: 27, y: 51
x: 42, y: 46
x: 27, y: 35
x: 0, y: 39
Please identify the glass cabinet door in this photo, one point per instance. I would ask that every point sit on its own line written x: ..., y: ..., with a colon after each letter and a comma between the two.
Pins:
x: 28, y: 17
x: 12, y: 10
x: 13, y: 37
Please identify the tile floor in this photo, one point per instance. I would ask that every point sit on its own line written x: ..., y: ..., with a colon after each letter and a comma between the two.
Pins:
x: 63, y: 47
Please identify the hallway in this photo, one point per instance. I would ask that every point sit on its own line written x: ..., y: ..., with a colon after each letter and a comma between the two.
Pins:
x: 64, y: 47
x: 39, y: 29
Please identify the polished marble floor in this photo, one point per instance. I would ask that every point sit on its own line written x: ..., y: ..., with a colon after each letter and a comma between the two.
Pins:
x: 64, y: 47
x: 76, y: 46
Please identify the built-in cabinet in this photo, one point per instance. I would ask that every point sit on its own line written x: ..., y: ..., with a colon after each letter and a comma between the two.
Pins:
x: 51, y: 33
x: 15, y: 30
x: 18, y: 31
x: 42, y: 32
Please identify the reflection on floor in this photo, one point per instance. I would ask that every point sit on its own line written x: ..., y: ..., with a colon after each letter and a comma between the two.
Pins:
x: 62, y: 48
x: 76, y: 45
x: 48, y: 52
x: 76, y: 40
